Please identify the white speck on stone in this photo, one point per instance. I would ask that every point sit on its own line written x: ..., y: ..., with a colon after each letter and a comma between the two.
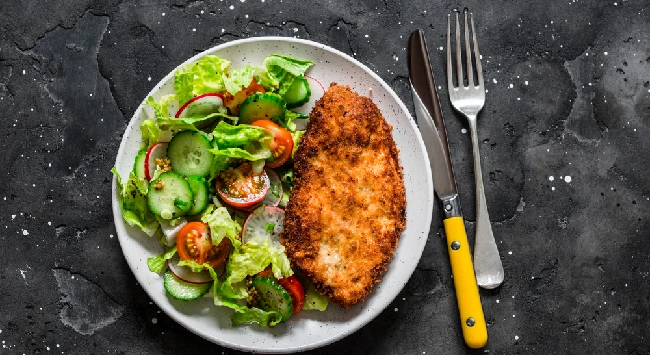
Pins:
x: 13, y: 216
x: 463, y: 131
x: 516, y: 337
x: 551, y: 178
x: 567, y: 178
x: 295, y: 29
x: 154, y: 320
x: 511, y: 86
x: 149, y: 78
x: 25, y: 232
x: 494, y: 81
x: 23, y: 71
x: 552, y: 188
x: 194, y: 30
x: 396, y: 309
x: 441, y: 48
x: 163, y: 14
x: 49, y: 223
x: 497, y: 301
x: 48, y: 348
x: 526, y: 82
x: 510, y: 253
x: 111, y: 236
x: 232, y: 7
x: 91, y: 95
x: 246, y: 15
x: 366, y: 36
x: 223, y: 30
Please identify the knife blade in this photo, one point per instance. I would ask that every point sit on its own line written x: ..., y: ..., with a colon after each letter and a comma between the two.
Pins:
x: 431, y: 124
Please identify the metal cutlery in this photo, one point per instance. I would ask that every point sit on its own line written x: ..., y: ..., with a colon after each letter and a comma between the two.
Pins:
x: 469, y: 101
x: 432, y: 128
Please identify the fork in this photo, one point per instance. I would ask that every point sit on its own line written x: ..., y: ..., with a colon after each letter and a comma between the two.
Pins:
x: 469, y: 100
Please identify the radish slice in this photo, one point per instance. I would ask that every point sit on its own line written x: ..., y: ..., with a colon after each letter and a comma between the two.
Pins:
x: 201, y: 105
x: 157, y: 151
x: 186, y: 274
x: 256, y: 224
x: 274, y: 196
x: 317, y: 91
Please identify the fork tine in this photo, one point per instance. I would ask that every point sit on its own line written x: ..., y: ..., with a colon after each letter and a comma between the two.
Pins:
x: 450, y: 70
x: 468, y: 55
x: 477, y: 54
x: 459, y: 62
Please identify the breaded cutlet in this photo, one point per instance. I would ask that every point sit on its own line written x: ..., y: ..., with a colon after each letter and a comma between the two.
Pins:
x: 347, y: 208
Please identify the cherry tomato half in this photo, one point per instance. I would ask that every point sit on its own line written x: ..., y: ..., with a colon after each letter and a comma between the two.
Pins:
x: 241, y: 187
x: 281, y: 145
x: 194, y: 243
x: 292, y: 285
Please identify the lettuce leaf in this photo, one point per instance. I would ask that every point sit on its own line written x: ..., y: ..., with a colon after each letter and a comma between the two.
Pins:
x: 291, y: 65
x: 282, y: 70
x: 221, y: 225
x: 254, y: 256
x: 256, y: 315
x: 238, y: 78
x: 238, y: 142
x: 289, y: 117
x: 157, y: 263
x: 193, y: 123
x: 229, y: 136
x: 202, y: 77
x: 297, y: 137
x: 152, y: 134
x: 314, y: 300
x: 243, y: 314
x: 132, y: 196
x: 161, y: 108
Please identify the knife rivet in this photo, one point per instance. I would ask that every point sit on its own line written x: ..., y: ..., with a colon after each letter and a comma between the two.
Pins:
x: 470, y: 322
x: 448, y: 208
x: 455, y: 246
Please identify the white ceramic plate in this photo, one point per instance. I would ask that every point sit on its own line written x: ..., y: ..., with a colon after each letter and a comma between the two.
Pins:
x: 310, y: 329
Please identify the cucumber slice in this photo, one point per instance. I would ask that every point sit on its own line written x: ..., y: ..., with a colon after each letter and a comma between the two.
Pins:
x: 182, y: 290
x: 273, y: 297
x: 262, y: 107
x: 170, y: 196
x: 298, y: 93
x: 138, y: 165
x: 189, y: 154
x: 200, y: 190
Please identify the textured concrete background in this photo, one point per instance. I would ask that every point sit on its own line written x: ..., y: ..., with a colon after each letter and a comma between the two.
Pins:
x: 565, y: 132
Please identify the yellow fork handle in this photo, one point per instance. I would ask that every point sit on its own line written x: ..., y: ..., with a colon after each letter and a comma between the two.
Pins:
x: 472, y: 319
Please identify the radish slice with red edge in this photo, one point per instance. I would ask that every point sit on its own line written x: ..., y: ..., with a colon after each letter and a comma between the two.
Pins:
x: 157, y: 151
x: 201, y: 105
x: 186, y: 274
x: 274, y: 196
x: 317, y: 91
x: 264, y: 222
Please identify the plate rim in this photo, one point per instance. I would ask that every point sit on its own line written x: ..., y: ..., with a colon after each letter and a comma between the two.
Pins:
x: 117, y: 214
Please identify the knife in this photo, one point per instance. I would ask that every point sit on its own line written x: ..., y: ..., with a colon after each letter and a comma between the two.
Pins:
x: 434, y: 135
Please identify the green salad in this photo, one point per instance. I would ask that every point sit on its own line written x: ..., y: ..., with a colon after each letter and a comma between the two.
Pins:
x: 210, y: 182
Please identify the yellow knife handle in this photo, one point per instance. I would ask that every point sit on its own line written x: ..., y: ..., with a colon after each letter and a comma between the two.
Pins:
x: 472, y: 319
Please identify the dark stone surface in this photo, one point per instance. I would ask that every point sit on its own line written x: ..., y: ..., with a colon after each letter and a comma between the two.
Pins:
x: 568, y: 96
